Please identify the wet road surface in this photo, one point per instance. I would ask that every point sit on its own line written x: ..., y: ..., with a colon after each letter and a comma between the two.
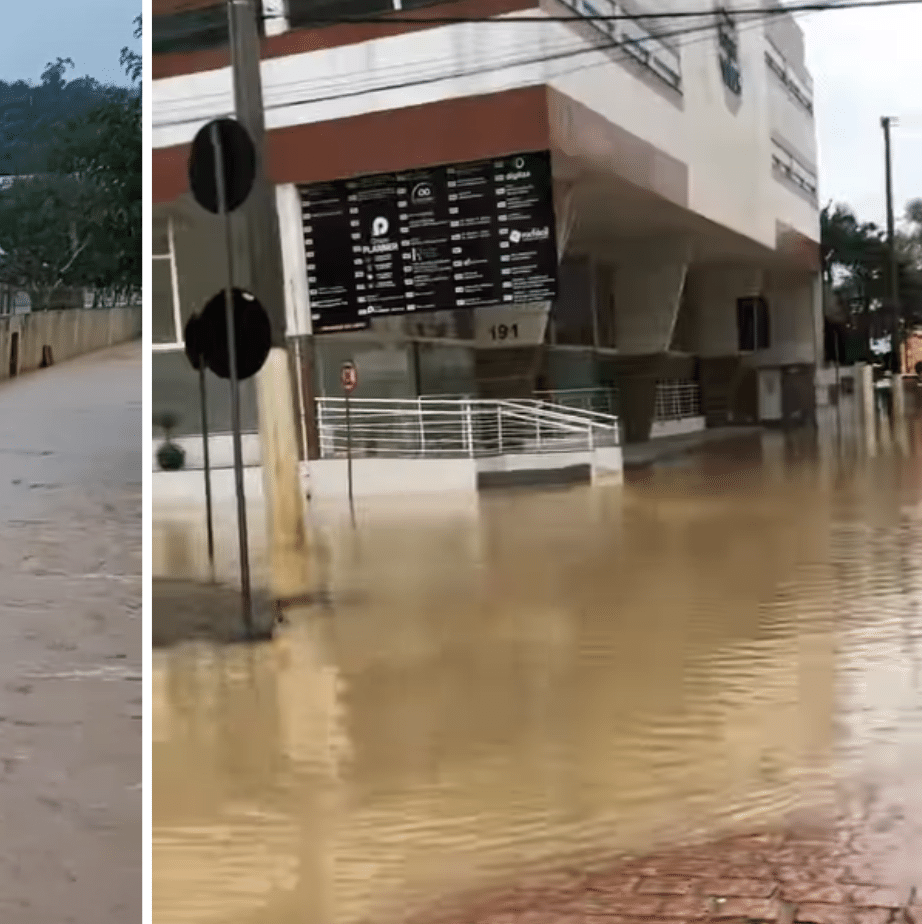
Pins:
x: 70, y: 642
x: 728, y: 644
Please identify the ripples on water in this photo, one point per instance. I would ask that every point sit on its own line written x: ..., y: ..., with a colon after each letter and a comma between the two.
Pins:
x: 571, y: 674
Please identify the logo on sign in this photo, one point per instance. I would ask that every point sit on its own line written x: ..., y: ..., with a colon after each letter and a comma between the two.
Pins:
x: 380, y: 226
x: 422, y: 193
x: 532, y: 234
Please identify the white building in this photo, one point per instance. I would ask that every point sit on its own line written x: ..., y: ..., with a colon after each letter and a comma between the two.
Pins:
x: 684, y: 186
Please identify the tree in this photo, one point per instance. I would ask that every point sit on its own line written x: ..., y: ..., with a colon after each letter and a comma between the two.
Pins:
x: 103, y: 149
x: 44, y: 236
x: 856, y: 271
x: 33, y: 116
x: 78, y: 225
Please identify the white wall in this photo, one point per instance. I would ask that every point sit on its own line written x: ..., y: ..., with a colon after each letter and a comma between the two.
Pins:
x: 648, y: 288
x: 712, y: 296
x: 793, y: 314
x: 294, y: 264
x: 69, y: 333
x: 727, y: 147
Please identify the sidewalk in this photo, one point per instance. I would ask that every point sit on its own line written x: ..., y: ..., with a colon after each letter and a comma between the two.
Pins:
x: 637, y: 455
x: 815, y: 876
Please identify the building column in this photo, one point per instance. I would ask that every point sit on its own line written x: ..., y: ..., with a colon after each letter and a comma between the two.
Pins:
x: 727, y: 395
x: 648, y: 281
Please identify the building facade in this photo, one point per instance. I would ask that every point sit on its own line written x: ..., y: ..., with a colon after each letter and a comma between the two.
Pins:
x: 683, y: 180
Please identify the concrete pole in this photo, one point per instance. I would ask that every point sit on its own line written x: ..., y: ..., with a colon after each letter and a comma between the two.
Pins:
x: 289, y: 567
x: 868, y: 406
x: 898, y: 403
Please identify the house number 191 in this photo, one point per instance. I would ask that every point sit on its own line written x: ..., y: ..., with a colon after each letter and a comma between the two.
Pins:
x: 504, y: 331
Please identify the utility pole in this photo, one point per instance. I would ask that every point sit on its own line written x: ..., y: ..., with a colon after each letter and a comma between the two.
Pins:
x: 896, y: 385
x: 262, y: 272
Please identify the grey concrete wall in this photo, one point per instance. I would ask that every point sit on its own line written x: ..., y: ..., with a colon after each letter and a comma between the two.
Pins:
x: 69, y: 333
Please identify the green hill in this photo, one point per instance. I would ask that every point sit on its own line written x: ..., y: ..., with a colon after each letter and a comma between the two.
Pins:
x: 35, y: 116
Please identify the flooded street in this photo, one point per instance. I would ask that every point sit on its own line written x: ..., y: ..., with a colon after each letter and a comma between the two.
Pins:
x: 723, y: 644
x: 70, y: 642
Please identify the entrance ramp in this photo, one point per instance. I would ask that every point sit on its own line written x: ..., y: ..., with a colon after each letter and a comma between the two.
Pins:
x: 436, y: 445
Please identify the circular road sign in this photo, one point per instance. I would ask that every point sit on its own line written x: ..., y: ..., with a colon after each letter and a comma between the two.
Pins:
x: 238, y: 156
x: 252, y: 335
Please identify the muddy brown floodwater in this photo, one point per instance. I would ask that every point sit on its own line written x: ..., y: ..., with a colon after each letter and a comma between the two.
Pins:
x: 720, y: 645
x: 70, y: 642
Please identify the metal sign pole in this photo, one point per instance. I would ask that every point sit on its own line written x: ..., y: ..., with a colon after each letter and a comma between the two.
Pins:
x: 349, y: 456
x: 246, y: 595
x: 348, y: 378
x: 207, y: 454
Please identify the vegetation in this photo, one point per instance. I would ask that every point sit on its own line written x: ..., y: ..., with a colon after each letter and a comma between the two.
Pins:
x: 70, y: 212
x: 856, y: 273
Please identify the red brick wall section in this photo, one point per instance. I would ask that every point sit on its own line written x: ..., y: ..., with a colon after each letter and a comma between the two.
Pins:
x: 470, y: 128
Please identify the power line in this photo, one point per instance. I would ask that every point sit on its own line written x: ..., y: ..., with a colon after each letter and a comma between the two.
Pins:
x: 386, y: 17
x: 615, y: 45
x: 815, y: 7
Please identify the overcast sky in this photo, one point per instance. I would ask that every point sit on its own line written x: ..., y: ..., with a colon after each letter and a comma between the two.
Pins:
x: 91, y: 32
x: 866, y: 63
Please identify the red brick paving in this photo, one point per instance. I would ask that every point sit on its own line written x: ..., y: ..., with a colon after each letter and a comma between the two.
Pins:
x: 813, y: 877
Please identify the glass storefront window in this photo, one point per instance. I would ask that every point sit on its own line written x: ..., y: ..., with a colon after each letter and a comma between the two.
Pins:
x: 572, y: 312
x: 446, y: 370
x: 384, y: 370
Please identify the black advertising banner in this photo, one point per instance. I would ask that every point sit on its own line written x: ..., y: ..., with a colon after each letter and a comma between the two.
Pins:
x: 440, y: 239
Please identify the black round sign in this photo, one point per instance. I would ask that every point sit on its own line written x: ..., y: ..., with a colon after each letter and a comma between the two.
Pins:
x: 192, y: 337
x: 206, y: 335
x: 238, y: 157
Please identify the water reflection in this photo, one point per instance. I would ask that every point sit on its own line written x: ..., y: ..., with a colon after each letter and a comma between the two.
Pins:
x: 571, y: 675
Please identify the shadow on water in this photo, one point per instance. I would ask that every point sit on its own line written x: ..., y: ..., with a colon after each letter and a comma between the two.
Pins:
x: 557, y: 677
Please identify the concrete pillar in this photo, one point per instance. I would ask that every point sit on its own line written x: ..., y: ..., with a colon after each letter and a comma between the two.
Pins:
x: 649, y: 280
x: 286, y: 528
x: 864, y: 375
x: 899, y: 399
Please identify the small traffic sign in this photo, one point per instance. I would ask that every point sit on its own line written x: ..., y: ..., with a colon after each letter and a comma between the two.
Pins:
x: 252, y: 335
x: 349, y: 377
x: 238, y: 159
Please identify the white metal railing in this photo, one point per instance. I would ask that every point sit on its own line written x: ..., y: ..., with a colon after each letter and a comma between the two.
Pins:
x: 792, y: 82
x: 457, y: 428
x: 677, y: 400
x: 785, y: 163
x: 602, y: 400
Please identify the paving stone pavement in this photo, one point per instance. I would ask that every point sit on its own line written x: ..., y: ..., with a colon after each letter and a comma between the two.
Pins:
x: 814, y: 876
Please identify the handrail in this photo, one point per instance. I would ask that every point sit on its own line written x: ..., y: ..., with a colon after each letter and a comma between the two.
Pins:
x: 457, y: 427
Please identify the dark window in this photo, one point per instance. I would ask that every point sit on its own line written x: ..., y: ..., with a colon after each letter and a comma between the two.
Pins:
x: 416, y: 4
x: 193, y: 30
x: 190, y: 30
x: 752, y: 324
x: 163, y: 323
x: 307, y: 13
x: 572, y: 310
